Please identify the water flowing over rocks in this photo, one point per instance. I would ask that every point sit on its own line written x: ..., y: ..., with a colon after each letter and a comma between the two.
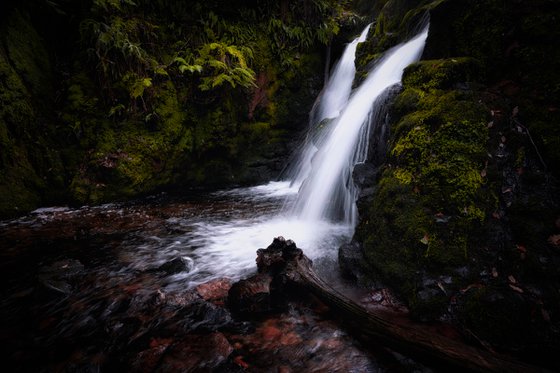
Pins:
x: 84, y: 290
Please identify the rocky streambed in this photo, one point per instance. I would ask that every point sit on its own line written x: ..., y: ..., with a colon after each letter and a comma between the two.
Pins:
x: 126, y: 287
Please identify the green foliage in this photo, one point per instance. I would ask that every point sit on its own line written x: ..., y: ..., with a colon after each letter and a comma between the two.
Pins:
x: 111, y: 5
x: 224, y: 64
x: 136, y: 85
x: 160, y: 89
x: 185, y: 66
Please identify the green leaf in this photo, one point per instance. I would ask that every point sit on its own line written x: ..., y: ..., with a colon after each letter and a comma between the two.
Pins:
x: 116, y: 110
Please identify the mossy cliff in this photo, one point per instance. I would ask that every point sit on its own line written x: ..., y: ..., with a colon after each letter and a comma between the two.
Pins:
x: 199, y: 95
x: 31, y: 169
x: 463, y: 224
x: 110, y: 99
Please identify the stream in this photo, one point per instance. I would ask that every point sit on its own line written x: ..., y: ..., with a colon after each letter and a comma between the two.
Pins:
x: 84, y: 288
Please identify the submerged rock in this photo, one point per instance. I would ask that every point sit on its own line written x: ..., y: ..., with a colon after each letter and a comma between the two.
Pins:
x: 177, y: 265
x: 60, y: 276
x: 195, y: 353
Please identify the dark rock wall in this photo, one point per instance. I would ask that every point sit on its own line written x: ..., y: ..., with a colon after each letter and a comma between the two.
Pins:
x: 30, y: 163
x: 463, y: 223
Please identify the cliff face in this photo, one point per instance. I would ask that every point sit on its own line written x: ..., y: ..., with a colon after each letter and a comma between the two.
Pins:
x: 30, y: 164
x: 106, y: 100
x: 464, y: 220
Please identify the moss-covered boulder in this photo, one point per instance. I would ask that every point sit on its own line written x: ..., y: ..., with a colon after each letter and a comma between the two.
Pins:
x: 463, y: 222
x: 432, y: 197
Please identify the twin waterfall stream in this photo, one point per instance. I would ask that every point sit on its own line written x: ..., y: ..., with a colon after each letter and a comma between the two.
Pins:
x: 217, y: 235
x: 318, y: 196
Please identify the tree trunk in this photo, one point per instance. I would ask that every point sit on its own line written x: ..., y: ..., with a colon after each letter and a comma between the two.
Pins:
x: 289, y: 266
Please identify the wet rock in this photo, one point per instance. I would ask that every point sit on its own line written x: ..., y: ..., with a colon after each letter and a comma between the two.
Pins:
x: 350, y: 259
x: 251, y: 296
x: 296, y: 341
x: 179, y: 264
x: 182, y: 299
x: 215, y: 291
x: 200, y: 316
x: 366, y: 192
x: 364, y: 174
x: 196, y: 353
x: 148, y: 360
x: 59, y: 276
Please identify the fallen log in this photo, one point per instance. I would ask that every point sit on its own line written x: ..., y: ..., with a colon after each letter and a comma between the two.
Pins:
x: 287, y: 266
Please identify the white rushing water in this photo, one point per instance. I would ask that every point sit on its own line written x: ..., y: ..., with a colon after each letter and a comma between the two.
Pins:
x: 328, y: 193
x: 332, y: 99
x: 322, y: 211
x: 218, y: 236
x: 334, y: 96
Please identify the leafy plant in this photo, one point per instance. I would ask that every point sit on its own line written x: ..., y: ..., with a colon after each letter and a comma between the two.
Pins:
x: 222, y: 64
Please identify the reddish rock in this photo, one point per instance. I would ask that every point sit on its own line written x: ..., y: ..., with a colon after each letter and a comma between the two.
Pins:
x: 148, y: 360
x: 251, y: 296
x: 215, y: 291
x: 270, y: 333
x: 196, y: 353
x: 239, y: 361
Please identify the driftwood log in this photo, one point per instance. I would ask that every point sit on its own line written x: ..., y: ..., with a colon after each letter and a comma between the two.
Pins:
x: 282, y: 265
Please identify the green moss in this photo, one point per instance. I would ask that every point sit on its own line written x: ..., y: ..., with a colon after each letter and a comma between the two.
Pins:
x: 433, y: 195
x: 442, y: 74
x: 397, y: 21
x: 133, y: 157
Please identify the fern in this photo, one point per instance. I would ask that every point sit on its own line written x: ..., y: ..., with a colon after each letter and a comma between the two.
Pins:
x: 224, y: 63
x: 136, y: 85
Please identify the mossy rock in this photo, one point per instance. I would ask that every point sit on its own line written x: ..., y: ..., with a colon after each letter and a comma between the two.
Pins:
x: 443, y: 74
x: 498, y: 316
x: 133, y: 158
x: 30, y: 164
x: 28, y: 55
x: 432, y: 196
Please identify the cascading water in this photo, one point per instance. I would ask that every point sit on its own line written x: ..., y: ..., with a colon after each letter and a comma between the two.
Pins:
x: 329, y: 104
x: 320, y: 214
x: 337, y: 90
x: 120, y: 271
x: 328, y: 193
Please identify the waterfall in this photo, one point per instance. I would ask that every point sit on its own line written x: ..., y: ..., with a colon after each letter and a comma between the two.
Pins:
x: 329, y: 104
x: 328, y: 192
x: 337, y: 90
